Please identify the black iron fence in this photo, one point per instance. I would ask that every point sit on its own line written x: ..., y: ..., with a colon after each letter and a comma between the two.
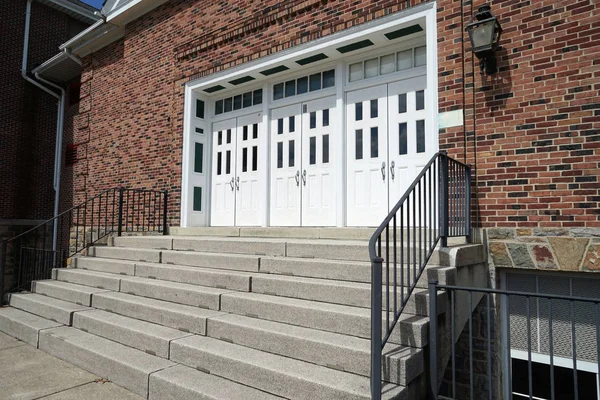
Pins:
x: 34, y: 253
x: 519, y: 345
x: 434, y: 207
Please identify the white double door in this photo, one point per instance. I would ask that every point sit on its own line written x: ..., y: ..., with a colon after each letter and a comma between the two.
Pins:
x: 388, y: 144
x: 303, y: 164
x: 237, y: 189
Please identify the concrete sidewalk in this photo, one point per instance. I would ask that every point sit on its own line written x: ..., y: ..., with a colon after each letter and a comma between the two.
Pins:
x: 27, y: 373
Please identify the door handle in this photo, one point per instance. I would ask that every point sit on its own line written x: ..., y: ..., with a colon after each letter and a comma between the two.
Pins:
x: 383, y: 170
x: 237, y: 183
x: 297, y: 178
x: 231, y: 183
x: 304, y: 177
x: 392, y: 172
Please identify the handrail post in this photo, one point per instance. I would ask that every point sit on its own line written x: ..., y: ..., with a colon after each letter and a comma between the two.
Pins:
x: 120, y: 218
x: 433, y: 373
x: 376, y: 321
x: 444, y: 198
x: 3, y: 256
x: 166, y: 192
x: 468, y: 216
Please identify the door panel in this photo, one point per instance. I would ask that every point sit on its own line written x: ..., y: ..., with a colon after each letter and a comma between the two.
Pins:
x: 223, y: 176
x: 248, y: 175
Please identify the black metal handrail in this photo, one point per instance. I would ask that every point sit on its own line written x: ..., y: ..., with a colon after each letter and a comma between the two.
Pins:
x: 434, y: 207
x: 49, y: 245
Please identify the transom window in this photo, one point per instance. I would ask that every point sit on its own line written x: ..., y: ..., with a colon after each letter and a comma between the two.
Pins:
x: 311, y: 83
x: 388, y: 63
x: 239, y: 101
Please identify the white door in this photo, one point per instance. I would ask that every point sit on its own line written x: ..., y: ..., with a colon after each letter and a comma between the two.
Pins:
x: 248, y: 176
x: 319, y: 196
x: 367, y: 156
x: 223, y: 175
x: 285, y: 166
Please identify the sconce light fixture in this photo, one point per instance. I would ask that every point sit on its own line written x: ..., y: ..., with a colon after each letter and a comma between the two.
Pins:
x: 484, y: 31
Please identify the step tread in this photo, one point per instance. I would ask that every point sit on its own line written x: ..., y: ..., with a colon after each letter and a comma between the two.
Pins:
x: 70, y: 286
x: 206, y: 270
x: 27, y: 319
x: 176, y: 285
x: 48, y: 302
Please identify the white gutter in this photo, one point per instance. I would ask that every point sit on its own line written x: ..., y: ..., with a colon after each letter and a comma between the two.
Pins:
x: 76, y: 9
x: 81, y: 35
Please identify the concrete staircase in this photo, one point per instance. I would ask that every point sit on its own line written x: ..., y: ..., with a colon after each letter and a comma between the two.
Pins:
x: 228, y: 317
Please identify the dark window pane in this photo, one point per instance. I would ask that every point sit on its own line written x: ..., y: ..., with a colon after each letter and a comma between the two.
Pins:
x: 292, y: 153
x: 292, y: 123
x: 255, y: 131
x: 313, y: 119
x: 421, y: 136
x: 197, y: 198
x: 290, y: 88
x: 219, y: 159
x: 255, y: 158
x: 326, y: 117
x: 228, y: 135
x: 402, y: 103
x: 313, y: 151
x: 315, y: 82
x: 228, y: 104
x: 420, y: 99
x: 302, y: 85
x: 403, y: 138
x: 200, y: 131
x: 257, y: 97
x: 325, y: 149
x: 280, y: 155
x: 237, y: 102
x: 328, y: 78
x: 228, y: 162
x: 278, y: 91
x: 219, y: 107
x: 374, y: 111
x: 359, y: 144
x: 244, y: 159
x: 198, y: 157
x: 200, y: 109
x: 358, y: 111
x: 247, y: 102
x: 220, y: 138
x: 374, y: 142
x: 280, y: 126
x: 245, y: 132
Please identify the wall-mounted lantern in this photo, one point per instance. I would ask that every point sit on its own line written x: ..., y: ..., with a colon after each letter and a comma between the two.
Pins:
x: 484, y: 31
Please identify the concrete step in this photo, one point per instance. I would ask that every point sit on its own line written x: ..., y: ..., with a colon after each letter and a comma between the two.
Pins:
x: 270, y: 247
x: 411, y: 330
x: 23, y: 325
x: 342, y: 352
x: 281, y: 376
x: 78, y: 294
x: 181, y: 293
x: 112, y: 266
x: 122, y: 253
x: 317, y: 268
x: 150, y: 338
x: 95, y: 279
x: 232, y: 280
x: 144, y: 242
x: 184, y: 383
x: 47, y: 307
x: 237, y: 262
x: 177, y: 316
x: 127, y: 367
x: 277, y: 232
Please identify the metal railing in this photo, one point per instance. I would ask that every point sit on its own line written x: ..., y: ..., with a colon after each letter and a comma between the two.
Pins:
x: 533, y: 354
x: 36, y: 252
x: 434, y: 207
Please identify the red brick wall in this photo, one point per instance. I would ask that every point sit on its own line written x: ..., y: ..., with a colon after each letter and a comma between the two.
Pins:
x: 517, y: 122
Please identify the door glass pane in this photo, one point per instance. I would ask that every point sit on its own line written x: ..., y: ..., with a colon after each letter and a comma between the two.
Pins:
x: 302, y: 85
x: 245, y: 132
x: 329, y: 78
x: 280, y: 155
x: 280, y: 126
x: 228, y: 162
x: 420, y: 99
x: 200, y: 109
x: 237, y: 102
x: 421, y: 136
x: 405, y: 60
x: 292, y: 123
x: 200, y: 131
x: 374, y: 108
x: 247, y: 99
x: 197, y: 198
x: 257, y: 97
x: 313, y: 151
x: 278, y: 91
x: 219, y: 107
x: 356, y: 72
x: 388, y: 64
x: 326, y: 117
x: 313, y: 119
x: 290, y: 88
x: 374, y: 142
x: 358, y: 140
x: 371, y: 68
x: 228, y: 104
x: 325, y: 149
x: 402, y: 103
x: 403, y: 138
x: 220, y: 138
x: 315, y: 82
x: 219, y: 160
x: 255, y: 158
x: 244, y: 159
x: 420, y: 56
x: 358, y: 111
x: 292, y: 153
x: 228, y: 135
x: 255, y: 131
x: 198, y: 157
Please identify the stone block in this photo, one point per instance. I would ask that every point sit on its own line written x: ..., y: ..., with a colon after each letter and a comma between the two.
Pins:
x: 569, y: 251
